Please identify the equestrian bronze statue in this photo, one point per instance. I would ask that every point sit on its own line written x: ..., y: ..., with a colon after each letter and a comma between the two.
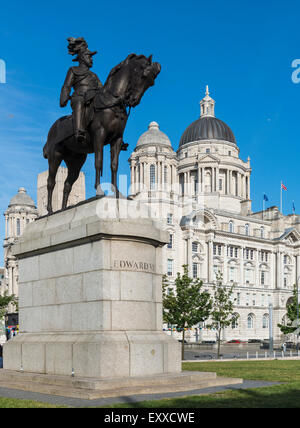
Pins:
x: 100, y: 114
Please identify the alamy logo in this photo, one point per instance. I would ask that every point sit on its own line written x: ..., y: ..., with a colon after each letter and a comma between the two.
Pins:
x: 2, y: 71
x: 296, y: 73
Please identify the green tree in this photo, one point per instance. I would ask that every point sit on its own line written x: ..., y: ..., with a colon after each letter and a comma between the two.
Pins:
x: 187, y: 305
x: 292, y: 305
x: 5, y: 301
x: 222, y: 310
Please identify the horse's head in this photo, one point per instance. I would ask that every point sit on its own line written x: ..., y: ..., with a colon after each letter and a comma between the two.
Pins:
x: 143, y: 73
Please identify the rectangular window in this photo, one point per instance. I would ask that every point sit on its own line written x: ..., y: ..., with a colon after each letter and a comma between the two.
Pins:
x: 247, y: 299
x: 170, y: 267
x: 170, y: 244
x: 231, y: 274
x: 238, y: 298
x: 219, y: 250
x: 247, y: 276
x: 220, y: 184
x: 195, y: 270
x: 195, y: 247
x: 262, y: 278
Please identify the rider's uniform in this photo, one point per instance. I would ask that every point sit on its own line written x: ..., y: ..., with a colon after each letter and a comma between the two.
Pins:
x: 85, y: 84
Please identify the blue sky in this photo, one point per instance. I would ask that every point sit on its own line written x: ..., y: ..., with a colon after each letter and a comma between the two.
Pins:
x: 242, y: 50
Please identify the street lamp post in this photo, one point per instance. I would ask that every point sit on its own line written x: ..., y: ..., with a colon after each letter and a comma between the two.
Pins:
x: 271, y: 343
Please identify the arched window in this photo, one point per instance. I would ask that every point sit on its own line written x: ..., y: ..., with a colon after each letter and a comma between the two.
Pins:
x: 250, y: 321
x: 247, y: 229
x: 152, y: 177
x: 18, y: 227
x: 231, y: 226
x: 265, y: 322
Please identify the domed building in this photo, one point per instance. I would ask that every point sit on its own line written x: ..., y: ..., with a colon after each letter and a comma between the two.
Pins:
x: 202, y: 195
x: 21, y: 211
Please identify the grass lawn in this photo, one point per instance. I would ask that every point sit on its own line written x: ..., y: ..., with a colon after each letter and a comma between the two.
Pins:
x: 286, y: 395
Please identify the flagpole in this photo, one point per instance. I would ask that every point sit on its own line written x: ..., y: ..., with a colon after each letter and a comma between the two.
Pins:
x: 281, y: 196
x: 263, y: 206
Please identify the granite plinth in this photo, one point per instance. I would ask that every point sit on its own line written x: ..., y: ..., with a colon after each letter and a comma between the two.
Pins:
x: 90, y: 299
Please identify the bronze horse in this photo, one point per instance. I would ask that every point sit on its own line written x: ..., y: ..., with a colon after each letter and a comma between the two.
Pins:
x: 106, y: 119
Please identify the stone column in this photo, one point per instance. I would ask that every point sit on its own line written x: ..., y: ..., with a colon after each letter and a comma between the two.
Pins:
x: 217, y: 179
x: 257, y: 278
x: 225, y: 262
x: 158, y: 175
x: 242, y: 266
x: 210, y: 261
x: 10, y: 279
x: 6, y: 226
x: 278, y: 269
x: 239, y: 184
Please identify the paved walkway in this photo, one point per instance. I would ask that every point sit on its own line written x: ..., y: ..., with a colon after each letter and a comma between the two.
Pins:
x: 223, y: 360
x: 75, y: 402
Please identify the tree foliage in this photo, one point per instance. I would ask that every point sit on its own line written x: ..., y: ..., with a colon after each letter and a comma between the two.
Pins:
x: 5, y: 301
x: 289, y: 327
x: 187, y: 305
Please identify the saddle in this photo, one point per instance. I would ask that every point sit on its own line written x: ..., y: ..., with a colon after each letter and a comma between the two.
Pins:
x: 64, y: 128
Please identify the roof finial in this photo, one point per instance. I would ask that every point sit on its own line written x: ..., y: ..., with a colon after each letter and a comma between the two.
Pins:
x: 207, y: 105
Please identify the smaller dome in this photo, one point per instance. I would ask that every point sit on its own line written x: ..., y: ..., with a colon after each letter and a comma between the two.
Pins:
x: 154, y: 136
x: 22, y: 198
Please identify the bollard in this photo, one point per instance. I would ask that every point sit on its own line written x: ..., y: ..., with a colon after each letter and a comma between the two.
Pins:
x: 256, y: 354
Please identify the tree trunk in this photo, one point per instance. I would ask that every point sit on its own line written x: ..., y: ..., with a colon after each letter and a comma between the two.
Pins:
x: 182, y: 345
x: 219, y: 343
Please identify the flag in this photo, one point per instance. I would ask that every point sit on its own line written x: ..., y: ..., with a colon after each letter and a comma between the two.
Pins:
x: 283, y: 186
x: 266, y: 198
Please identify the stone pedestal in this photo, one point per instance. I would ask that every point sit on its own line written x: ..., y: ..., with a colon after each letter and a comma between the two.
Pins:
x: 90, y: 300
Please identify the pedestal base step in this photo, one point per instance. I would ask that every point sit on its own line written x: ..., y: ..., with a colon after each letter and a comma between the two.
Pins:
x: 92, y: 389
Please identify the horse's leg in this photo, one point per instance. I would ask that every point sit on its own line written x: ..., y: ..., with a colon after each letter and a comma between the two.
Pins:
x: 99, y: 140
x: 115, y: 149
x: 54, y: 162
x: 74, y: 164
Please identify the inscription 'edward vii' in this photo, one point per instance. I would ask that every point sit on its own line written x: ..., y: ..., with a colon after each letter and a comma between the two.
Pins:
x: 133, y: 265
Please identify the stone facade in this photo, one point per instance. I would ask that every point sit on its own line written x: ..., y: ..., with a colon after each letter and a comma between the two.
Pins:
x: 20, y: 212
x: 202, y: 194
